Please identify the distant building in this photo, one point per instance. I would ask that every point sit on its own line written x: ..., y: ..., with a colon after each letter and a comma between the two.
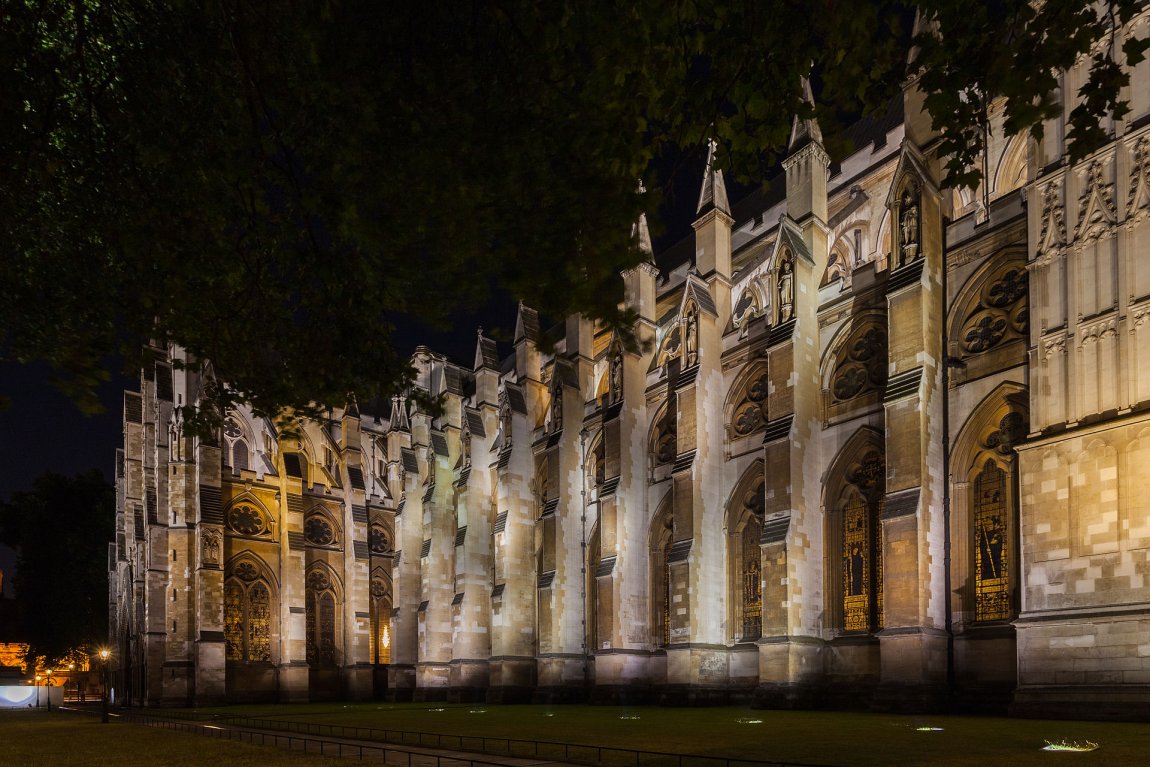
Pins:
x: 888, y: 447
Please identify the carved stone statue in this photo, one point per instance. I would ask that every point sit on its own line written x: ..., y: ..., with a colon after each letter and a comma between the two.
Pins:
x: 556, y: 408
x: 692, y: 340
x: 786, y: 290
x: 211, y: 547
x: 616, y: 374
x: 908, y: 227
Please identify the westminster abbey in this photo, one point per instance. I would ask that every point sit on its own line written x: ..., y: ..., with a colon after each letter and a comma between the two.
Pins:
x: 888, y: 446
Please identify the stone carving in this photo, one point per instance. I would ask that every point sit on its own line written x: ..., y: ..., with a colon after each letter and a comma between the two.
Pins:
x: 616, y: 375
x: 318, y: 531
x: 908, y: 225
x: 691, y: 334
x: 556, y: 407
x: 863, y: 367
x: 210, y: 547
x: 246, y: 571
x: 1052, y: 347
x: 750, y: 414
x: 318, y: 580
x: 745, y: 310
x: 786, y: 288
x: 1011, y: 431
x: 377, y: 539
x: 666, y: 439
x: 246, y: 519
x: 1138, y: 200
x: 505, y: 425
x: 465, y: 445
x: 1096, y: 210
x: 1053, y: 235
x: 671, y: 347
x: 1001, y: 313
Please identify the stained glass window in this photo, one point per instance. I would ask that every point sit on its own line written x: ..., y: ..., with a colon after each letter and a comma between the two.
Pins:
x: 380, y: 622
x: 247, y: 619
x: 862, y: 575
x: 320, y: 620
x: 856, y: 558
x: 752, y: 584
x: 991, y: 578
x: 234, y: 621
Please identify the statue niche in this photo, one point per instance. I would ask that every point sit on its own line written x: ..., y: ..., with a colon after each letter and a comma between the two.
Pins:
x: 909, y: 225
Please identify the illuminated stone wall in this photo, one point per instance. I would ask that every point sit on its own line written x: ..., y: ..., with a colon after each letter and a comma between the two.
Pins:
x: 882, y: 446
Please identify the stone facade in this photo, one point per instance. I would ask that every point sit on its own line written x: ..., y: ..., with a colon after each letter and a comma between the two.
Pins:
x: 882, y: 446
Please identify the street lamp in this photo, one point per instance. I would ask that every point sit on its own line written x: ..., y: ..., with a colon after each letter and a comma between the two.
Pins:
x: 48, y: 682
x: 38, y: 691
x: 104, y: 683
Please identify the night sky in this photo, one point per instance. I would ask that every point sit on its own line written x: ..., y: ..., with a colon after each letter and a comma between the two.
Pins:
x: 44, y: 431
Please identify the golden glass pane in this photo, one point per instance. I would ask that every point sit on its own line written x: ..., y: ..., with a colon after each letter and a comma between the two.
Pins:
x: 752, y: 584
x: 856, y: 563
x: 233, y: 622
x: 991, y: 552
x: 259, y: 623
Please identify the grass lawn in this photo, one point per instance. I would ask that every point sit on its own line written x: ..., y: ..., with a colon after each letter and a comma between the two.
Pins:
x: 39, y: 739
x: 832, y: 738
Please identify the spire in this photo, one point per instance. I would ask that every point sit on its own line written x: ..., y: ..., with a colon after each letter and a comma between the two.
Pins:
x: 526, y: 324
x: 486, y: 353
x: 714, y: 191
x: 399, y: 421
x: 806, y: 130
x: 640, y: 232
x: 351, y: 409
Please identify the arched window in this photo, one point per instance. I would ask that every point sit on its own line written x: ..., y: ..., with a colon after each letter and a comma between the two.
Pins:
x: 745, y: 523
x: 991, y: 552
x: 752, y: 582
x: 380, y: 620
x: 322, y: 649
x: 660, y: 574
x: 247, y: 615
x: 860, y: 511
x: 235, y: 444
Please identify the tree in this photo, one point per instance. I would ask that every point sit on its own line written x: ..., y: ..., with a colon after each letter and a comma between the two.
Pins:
x: 273, y: 184
x: 61, y: 529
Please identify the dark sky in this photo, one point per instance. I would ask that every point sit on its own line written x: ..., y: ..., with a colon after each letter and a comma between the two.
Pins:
x: 44, y: 431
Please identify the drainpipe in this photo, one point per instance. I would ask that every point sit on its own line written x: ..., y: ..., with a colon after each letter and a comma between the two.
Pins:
x: 583, y: 559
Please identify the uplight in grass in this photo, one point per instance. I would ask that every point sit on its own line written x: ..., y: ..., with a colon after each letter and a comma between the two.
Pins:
x: 630, y: 716
x: 745, y: 720
x: 928, y: 729
x: 436, y: 709
x: 1070, y: 745
x: 548, y: 713
x: 477, y: 711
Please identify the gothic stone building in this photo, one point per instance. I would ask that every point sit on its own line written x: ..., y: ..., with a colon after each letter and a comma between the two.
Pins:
x: 888, y: 445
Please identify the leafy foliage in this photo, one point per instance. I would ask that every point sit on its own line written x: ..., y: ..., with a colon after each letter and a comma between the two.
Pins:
x: 61, y: 529
x: 273, y: 185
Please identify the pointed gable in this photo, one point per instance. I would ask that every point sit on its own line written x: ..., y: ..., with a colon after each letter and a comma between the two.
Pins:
x: 804, y: 130
x: 527, y: 324
x: 713, y: 194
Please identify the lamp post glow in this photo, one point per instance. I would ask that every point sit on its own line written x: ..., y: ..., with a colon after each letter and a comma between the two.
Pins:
x: 104, y: 684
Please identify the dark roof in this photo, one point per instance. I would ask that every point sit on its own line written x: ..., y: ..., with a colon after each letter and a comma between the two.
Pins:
x: 475, y: 422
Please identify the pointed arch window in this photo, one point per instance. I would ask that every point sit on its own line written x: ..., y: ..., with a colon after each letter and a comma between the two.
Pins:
x: 752, y: 582
x: 247, y: 615
x: 322, y: 650
x: 235, y: 444
x: 991, y: 552
x: 862, y: 577
x: 380, y: 621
